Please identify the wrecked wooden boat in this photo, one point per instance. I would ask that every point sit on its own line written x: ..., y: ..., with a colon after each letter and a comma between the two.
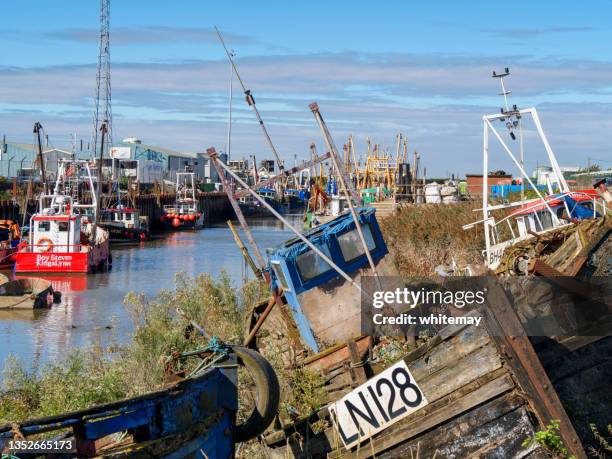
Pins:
x: 193, y: 417
x: 479, y: 392
x: 27, y: 293
x: 547, y: 220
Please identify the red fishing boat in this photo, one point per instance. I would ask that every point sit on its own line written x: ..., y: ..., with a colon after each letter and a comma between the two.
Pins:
x: 60, y: 242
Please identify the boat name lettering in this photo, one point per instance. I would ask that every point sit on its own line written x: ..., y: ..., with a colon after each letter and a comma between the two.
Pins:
x: 53, y: 260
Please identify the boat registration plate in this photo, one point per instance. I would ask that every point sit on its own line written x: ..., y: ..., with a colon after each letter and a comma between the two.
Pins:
x: 375, y: 405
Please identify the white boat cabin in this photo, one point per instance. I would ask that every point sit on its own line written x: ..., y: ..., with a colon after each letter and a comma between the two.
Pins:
x: 126, y: 217
x: 55, y: 228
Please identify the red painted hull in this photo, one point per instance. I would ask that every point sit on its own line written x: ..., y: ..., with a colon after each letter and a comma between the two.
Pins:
x: 95, y: 259
x: 56, y: 262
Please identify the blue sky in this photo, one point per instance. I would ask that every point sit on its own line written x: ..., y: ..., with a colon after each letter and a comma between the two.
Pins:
x: 376, y: 68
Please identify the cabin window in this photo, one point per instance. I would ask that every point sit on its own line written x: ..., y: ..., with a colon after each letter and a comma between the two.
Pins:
x: 350, y: 243
x: 278, y: 270
x: 545, y: 220
x: 62, y: 226
x: 312, y: 265
x: 43, y: 227
x: 560, y: 211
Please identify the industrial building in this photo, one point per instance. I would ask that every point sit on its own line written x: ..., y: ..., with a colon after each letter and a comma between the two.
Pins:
x: 144, y: 163
x: 21, y: 160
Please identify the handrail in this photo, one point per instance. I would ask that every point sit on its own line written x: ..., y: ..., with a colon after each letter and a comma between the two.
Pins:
x: 51, y: 248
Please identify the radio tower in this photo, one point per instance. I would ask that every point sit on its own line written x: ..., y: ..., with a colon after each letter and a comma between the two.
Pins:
x: 102, y: 103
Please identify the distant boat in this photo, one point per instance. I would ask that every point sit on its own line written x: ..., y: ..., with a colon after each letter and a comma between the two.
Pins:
x: 124, y: 224
x: 185, y: 213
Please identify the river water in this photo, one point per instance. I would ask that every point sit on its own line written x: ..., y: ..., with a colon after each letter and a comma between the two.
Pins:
x: 92, y: 305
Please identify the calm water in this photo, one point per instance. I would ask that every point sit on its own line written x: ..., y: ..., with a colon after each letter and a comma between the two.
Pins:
x: 92, y: 305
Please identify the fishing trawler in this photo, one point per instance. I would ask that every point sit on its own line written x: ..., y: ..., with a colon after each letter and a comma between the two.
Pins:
x: 122, y: 219
x: 64, y: 235
x: 185, y: 212
x: 124, y: 224
x: 59, y: 242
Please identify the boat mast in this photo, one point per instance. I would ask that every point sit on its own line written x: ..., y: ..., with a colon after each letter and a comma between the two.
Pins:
x: 251, y: 101
x: 103, y: 130
x: 512, y: 122
x: 37, y: 128
x: 229, y: 112
x: 347, y: 186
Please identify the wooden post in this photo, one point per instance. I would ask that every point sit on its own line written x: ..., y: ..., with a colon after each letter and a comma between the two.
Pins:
x: 508, y: 333
x: 244, y: 250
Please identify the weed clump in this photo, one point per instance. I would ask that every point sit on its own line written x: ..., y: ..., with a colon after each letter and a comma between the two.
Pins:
x: 421, y: 237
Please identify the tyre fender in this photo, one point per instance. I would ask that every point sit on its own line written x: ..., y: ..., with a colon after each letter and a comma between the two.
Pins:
x: 268, y: 393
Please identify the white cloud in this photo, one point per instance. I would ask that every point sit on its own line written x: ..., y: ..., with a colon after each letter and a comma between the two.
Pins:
x: 436, y: 101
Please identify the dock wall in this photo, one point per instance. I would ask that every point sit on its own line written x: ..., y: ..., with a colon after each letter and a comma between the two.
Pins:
x: 215, y: 205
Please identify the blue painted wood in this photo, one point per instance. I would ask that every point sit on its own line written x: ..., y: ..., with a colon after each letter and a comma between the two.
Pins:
x: 135, y: 417
x: 284, y: 259
x: 325, y: 237
x: 214, y: 443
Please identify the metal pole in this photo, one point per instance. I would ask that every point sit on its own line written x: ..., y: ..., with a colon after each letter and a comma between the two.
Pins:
x: 513, y: 158
x: 332, y: 148
x: 219, y: 166
x: 251, y: 101
x: 229, y: 120
x: 103, y: 130
x: 485, y: 188
x: 37, y: 129
x: 563, y: 187
x: 243, y: 249
x: 522, y: 159
x: 292, y: 228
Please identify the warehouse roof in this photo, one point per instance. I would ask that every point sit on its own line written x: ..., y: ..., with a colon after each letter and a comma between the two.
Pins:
x: 164, y: 150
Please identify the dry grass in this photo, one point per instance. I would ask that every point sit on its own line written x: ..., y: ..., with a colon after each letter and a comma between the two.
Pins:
x: 421, y: 237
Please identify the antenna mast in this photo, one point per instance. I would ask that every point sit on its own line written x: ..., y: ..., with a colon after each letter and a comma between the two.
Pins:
x: 512, y: 115
x: 102, y: 103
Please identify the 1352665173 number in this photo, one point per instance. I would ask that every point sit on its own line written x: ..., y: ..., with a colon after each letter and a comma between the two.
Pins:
x: 40, y: 446
x: 376, y: 404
